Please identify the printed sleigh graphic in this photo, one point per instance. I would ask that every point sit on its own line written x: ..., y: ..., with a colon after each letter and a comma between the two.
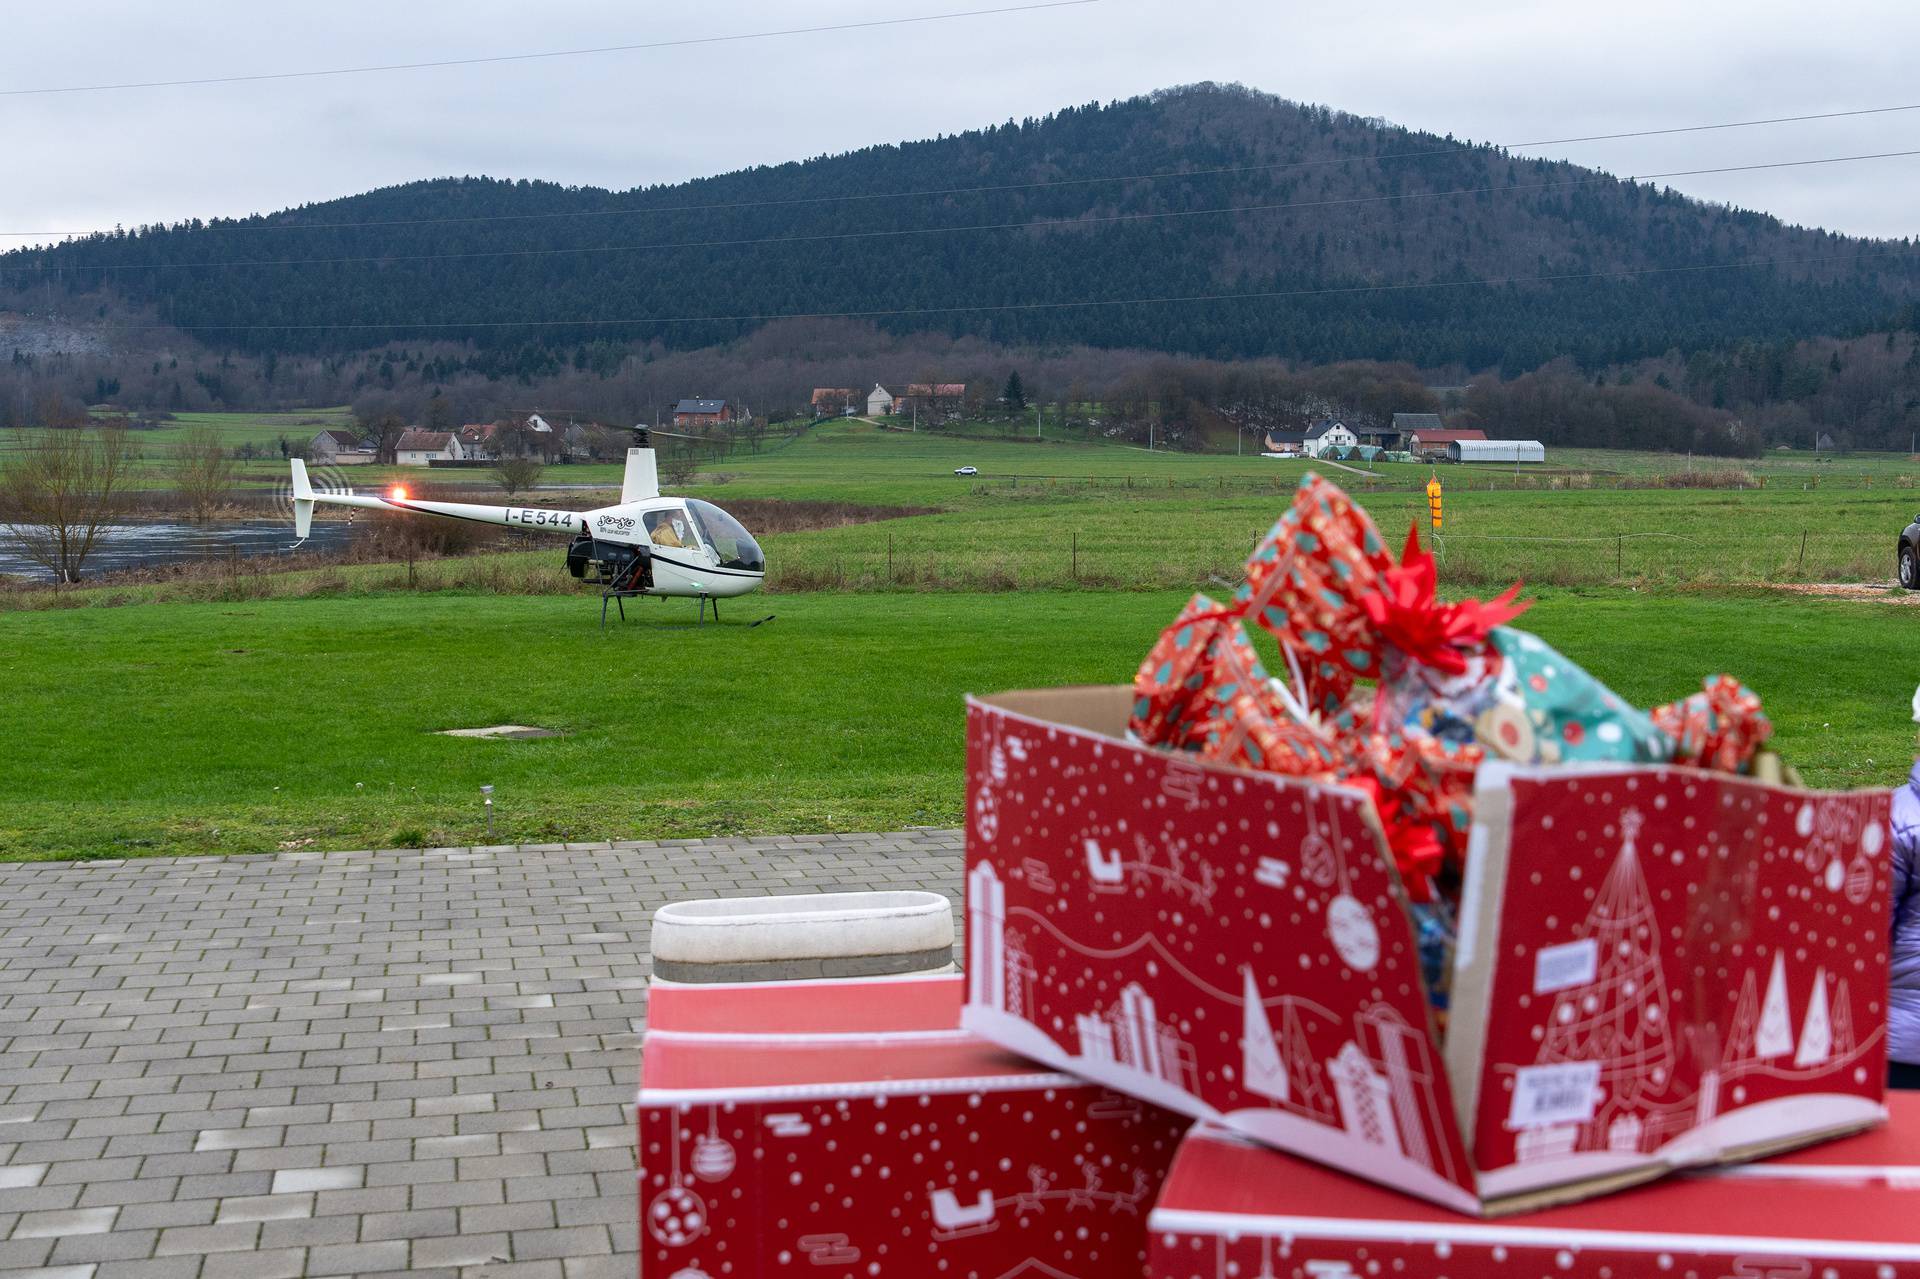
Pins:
x: 1657, y: 966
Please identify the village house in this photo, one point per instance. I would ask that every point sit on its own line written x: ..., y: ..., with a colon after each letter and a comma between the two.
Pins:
x: 832, y: 401
x: 934, y: 399
x: 879, y: 401
x: 1318, y: 440
x: 423, y: 448
x: 1433, y: 443
x: 339, y: 448
x: 702, y: 412
x: 474, y: 441
x: 477, y: 439
x: 1327, y: 437
x: 1408, y: 425
x: 1380, y: 437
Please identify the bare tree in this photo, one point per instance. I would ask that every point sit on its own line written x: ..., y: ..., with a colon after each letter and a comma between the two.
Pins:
x: 59, y: 492
x: 516, y: 472
x: 677, y: 466
x: 383, y: 431
x: 203, y: 472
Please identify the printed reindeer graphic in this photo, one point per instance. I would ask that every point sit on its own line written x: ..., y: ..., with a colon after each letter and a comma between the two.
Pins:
x: 1035, y: 1199
x: 1083, y: 1197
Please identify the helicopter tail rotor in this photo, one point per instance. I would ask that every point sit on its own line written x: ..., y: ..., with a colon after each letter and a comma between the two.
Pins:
x: 302, y: 501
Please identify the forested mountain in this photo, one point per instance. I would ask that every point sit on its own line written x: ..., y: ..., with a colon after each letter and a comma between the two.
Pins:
x: 1349, y: 206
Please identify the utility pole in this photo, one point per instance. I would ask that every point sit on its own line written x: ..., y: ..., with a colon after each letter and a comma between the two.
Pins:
x: 1036, y: 421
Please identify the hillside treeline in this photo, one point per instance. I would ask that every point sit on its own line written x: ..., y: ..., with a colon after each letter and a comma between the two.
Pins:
x: 1115, y: 395
x: 1342, y: 238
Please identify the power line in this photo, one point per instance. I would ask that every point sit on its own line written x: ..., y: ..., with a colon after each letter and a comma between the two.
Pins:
x: 1027, y: 225
x: 1164, y: 299
x: 554, y: 53
x: 1164, y: 175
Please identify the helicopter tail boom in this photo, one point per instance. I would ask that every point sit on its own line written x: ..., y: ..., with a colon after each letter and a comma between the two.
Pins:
x: 533, y: 518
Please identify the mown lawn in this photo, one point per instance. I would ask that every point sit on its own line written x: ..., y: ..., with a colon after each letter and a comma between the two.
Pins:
x: 197, y: 728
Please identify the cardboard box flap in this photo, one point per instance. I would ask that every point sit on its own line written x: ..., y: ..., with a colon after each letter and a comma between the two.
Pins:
x: 1096, y: 708
x: 1890, y: 1153
x: 1208, y: 939
x: 1223, y: 1187
x: 1678, y: 972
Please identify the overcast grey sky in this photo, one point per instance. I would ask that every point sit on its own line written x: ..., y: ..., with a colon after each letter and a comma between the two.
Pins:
x: 1499, y: 71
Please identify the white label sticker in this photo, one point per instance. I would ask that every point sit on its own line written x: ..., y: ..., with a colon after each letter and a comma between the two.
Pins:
x: 1558, y: 1094
x: 1558, y: 967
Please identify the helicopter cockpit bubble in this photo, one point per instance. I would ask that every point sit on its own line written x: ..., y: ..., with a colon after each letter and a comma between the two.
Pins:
x: 728, y: 538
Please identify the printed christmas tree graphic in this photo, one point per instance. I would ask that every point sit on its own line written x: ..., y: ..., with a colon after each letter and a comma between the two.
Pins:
x: 1816, y: 1032
x: 1619, y: 1018
x: 1842, y: 1021
x: 1286, y: 1072
x: 1310, y: 1084
x: 1746, y: 1022
x: 1260, y: 1060
x: 1775, y: 1035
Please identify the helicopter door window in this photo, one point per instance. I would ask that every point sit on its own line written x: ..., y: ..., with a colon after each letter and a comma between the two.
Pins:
x: 670, y: 528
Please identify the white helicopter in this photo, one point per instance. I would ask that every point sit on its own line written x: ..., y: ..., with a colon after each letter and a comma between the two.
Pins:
x: 646, y: 545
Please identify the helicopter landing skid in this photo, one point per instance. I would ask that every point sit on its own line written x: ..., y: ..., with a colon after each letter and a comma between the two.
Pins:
x: 621, y: 587
x: 619, y: 596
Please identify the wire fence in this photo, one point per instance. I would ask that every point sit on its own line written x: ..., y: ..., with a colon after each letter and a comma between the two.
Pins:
x: 1463, y: 479
x: 1067, y: 558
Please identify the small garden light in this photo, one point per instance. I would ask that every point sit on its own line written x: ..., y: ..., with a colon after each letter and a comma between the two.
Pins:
x: 486, y: 797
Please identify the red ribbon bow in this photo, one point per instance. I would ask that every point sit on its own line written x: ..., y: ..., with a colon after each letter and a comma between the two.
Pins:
x: 1407, y: 613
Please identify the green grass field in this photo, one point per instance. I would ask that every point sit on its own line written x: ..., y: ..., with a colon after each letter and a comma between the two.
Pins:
x: 198, y: 728
x: 154, y: 449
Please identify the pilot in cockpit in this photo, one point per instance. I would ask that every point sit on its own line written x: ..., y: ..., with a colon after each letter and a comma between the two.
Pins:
x: 669, y: 528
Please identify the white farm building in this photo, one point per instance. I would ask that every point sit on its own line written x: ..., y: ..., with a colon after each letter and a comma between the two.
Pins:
x: 1496, y: 451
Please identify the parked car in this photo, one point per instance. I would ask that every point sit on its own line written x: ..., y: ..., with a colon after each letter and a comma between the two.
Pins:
x: 1908, y: 555
x: 966, y: 470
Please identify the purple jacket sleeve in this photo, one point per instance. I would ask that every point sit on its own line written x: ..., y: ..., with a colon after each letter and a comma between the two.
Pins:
x: 1903, y: 1010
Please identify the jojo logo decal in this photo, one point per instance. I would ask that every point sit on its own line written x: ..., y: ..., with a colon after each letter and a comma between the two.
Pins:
x: 615, y: 524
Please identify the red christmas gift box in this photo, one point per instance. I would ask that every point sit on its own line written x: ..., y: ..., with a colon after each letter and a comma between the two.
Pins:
x: 1657, y: 966
x: 850, y: 1128
x: 1230, y: 1208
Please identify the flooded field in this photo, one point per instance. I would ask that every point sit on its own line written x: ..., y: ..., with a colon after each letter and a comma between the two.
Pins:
x: 145, y: 544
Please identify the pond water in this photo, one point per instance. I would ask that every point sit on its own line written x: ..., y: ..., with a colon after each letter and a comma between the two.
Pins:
x: 144, y: 544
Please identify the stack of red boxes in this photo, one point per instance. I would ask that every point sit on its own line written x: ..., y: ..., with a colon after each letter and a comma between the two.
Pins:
x: 1659, y: 970
x: 850, y: 1128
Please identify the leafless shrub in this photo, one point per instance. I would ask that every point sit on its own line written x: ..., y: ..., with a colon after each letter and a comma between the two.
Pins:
x: 60, y: 491
x: 203, y: 472
x: 1697, y: 478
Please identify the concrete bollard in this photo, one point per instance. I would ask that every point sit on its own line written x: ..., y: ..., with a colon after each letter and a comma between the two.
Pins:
x: 801, y: 936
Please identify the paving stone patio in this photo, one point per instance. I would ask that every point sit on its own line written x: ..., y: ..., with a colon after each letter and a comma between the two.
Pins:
x: 321, y: 1064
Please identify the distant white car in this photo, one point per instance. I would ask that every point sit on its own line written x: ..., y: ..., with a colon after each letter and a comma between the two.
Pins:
x: 966, y: 470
